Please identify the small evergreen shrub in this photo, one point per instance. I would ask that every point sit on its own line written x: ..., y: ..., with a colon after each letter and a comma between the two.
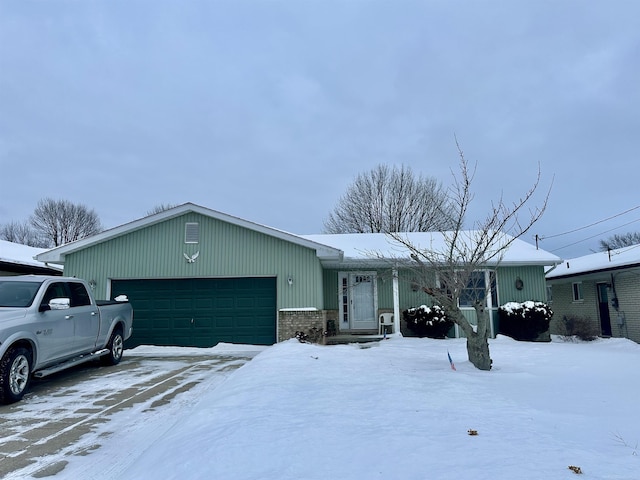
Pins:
x: 581, y: 327
x: 431, y: 322
x: 528, y: 321
x: 314, y: 335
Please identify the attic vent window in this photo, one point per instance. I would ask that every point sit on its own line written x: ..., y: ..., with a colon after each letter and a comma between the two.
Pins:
x: 191, y: 233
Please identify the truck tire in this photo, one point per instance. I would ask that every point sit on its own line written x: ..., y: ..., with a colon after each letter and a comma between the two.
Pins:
x: 116, y: 348
x: 15, y: 374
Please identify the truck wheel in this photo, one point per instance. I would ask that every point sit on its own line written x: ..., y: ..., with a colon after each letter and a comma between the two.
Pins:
x: 116, y: 348
x: 15, y: 373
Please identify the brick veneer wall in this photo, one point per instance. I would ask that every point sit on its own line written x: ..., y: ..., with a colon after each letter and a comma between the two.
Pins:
x: 292, y: 321
x: 628, y: 291
x: 563, y: 305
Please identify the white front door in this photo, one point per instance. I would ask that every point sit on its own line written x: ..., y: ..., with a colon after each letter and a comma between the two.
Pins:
x: 360, y: 301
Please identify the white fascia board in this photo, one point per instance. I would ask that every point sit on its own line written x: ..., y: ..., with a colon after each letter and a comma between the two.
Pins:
x: 551, y: 262
x: 57, y: 255
x: 591, y: 273
x: 322, y: 251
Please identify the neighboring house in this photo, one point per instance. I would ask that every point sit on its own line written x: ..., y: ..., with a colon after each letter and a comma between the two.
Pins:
x: 197, y: 277
x: 16, y: 259
x: 602, y: 287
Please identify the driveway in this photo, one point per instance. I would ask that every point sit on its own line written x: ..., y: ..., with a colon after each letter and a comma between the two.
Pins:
x: 73, y: 412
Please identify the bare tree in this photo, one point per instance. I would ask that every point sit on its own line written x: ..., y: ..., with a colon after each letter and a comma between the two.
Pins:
x: 60, y: 221
x: 454, y: 266
x: 22, y: 233
x: 391, y: 200
x: 161, y: 207
x: 620, y: 241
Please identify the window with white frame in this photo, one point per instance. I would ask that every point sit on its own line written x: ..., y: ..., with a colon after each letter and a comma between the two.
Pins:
x: 344, y: 300
x: 577, y: 292
x: 191, y: 232
x: 476, y: 290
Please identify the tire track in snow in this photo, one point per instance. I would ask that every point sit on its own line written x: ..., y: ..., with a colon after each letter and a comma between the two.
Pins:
x: 41, y: 444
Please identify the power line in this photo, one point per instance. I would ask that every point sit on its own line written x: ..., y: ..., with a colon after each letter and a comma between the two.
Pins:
x: 594, y: 236
x: 590, y: 225
x: 625, y: 249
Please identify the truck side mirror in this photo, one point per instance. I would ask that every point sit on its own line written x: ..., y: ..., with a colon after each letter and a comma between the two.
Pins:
x: 59, y: 303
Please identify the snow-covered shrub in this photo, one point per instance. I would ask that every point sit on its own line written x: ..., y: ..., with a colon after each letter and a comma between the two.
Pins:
x: 426, y: 321
x: 527, y: 321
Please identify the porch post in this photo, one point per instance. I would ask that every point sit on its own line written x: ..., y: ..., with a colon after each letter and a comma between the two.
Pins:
x: 396, y: 303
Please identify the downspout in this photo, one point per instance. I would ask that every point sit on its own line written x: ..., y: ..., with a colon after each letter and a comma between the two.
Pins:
x: 615, y: 303
x: 551, y: 269
x: 396, y: 304
x: 487, y: 280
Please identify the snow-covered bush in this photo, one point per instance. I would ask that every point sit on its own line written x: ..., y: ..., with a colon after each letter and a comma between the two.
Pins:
x: 527, y: 321
x: 426, y: 321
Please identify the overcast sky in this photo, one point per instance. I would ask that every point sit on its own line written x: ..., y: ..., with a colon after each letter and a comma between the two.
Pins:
x: 267, y: 110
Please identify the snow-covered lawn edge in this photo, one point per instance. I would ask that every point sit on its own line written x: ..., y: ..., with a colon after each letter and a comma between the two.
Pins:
x: 228, y: 349
x: 395, y: 409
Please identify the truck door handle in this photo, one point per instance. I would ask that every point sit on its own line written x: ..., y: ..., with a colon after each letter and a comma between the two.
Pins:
x: 94, y: 313
x: 68, y: 317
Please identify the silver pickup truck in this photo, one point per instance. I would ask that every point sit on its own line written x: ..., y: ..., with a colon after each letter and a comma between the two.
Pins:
x: 48, y: 324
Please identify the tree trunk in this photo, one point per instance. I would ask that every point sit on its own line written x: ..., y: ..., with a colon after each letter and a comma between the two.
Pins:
x: 477, y: 340
x: 478, y: 351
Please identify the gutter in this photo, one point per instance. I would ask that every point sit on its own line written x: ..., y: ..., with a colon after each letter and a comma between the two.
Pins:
x: 595, y: 271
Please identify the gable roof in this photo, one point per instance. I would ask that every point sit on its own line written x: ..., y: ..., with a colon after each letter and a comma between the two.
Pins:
x: 377, y: 249
x: 58, y: 254
x: 627, y: 257
x: 333, y: 250
x: 21, y: 257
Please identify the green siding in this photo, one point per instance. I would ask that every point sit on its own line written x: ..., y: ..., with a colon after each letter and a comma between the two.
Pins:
x: 330, y: 288
x: 531, y: 276
x: 225, y: 250
x: 535, y: 287
x: 385, y: 289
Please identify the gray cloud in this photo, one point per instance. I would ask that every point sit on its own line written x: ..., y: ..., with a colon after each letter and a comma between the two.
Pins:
x: 267, y: 110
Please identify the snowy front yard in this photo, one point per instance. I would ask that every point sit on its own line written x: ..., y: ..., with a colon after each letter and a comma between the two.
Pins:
x: 395, y: 410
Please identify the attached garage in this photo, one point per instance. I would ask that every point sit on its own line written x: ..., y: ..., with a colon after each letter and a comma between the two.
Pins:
x: 197, y: 277
x: 201, y: 312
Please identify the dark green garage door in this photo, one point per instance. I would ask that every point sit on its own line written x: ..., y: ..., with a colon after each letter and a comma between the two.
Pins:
x: 201, y: 312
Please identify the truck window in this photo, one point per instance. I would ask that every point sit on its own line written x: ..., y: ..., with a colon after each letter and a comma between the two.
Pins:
x: 17, y: 294
x: 79, y: 295
x: 55, y: 290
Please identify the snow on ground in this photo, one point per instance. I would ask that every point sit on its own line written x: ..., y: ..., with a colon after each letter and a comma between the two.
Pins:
x: 396, y: 410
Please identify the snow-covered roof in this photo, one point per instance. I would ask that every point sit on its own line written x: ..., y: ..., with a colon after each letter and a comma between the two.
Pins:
x: 626, y: 257
x: 358, y: 249
x: 371, y: 247
x: 17, y: 254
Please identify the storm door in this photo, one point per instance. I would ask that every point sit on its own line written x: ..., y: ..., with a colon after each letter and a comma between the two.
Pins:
x: 358, y: 297
x: 603, y: 307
